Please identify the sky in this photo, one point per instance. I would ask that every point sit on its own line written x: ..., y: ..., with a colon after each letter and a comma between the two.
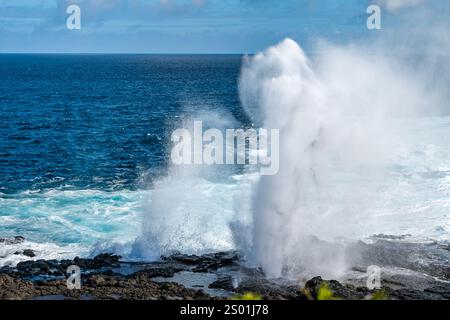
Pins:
x: 184, y: 26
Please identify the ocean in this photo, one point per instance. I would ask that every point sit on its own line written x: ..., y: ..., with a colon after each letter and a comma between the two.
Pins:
x: 84, y: 137
x: 84, y: 158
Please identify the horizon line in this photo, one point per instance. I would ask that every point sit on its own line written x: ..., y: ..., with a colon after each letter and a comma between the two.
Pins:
x: 130, y: 53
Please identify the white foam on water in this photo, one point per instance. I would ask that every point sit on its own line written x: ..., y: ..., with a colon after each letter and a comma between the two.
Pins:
x: 11, y: 254
x: 60, y: 223
x: 189, y: 213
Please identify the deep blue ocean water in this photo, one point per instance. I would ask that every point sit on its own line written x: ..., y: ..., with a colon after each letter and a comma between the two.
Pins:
x: 102, y: 121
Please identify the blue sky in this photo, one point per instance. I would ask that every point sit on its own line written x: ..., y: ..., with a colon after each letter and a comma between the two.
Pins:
x: 178, y: 26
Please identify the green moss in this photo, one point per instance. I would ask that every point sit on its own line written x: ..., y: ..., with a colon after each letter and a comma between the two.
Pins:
x: 380, y: 295
x: 325, y: 293
x: 246, y: 296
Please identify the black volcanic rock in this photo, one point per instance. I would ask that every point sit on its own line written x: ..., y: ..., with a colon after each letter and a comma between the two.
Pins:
x: 15, y: 240
x: 442, y: 290
x: 339, y: 290
x: 15, y: 289
x: 136, y: 287
x: 104, y: 260
x: 207, y: 262
x: 224, y: 282
x: 106, y: 277
x: 163, y: 272
x: 31, y: 268
x: 29, y: 253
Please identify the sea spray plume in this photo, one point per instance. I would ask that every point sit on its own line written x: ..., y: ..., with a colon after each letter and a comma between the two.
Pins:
x: 335, y: 137
x: 280, y: 68
x: 279, y: 90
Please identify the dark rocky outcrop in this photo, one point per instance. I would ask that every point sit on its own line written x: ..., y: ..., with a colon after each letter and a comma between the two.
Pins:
x: 163, y: 272
x: 29, y: 253
x: 107, y: 277
x: 207, y: 262
x: 10, y: 241
x: 136, y: 287
x: 223, y: 282
x: 338, y: 290
x: 270, y: 290
x: 104, y: 260
x: 100, y: 263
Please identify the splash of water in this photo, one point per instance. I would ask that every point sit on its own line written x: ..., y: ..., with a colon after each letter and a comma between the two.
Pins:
x: 336, y: 135
x: 280, y: 90
x: 188, y: 210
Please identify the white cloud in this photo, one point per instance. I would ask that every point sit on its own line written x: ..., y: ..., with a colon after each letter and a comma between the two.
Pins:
x: 394, y: 5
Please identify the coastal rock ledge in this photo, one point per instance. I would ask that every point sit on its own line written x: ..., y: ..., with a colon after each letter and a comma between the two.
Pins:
x: 107, y: 277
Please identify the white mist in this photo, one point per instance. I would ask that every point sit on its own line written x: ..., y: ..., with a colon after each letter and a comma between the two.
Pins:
x: 337, y: 134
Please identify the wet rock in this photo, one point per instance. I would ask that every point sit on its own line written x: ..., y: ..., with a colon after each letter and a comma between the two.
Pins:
x: 201, y: 269
x: 102, y: 280
x: 224, y: 282
x: 99, y: 280
x: 15, y: 240
x: 338, y: 290
x: 52, y: 263
x: 15, y: 289
x: 164, y: 272
x: 64, y: 264
x: 29, y: 253
x: 411, y: 294
x: 104, y: 260
x: 424, y: 258
x: 442, y: 290
x: 270, y: 290
x: 207, y: 262
x: 390, y: 236
x: 6, y: 270
x: 182, y: 258
x: 32, y: 268
x: 137, y: 286
x: 348, y: 292
x: 108, y: 272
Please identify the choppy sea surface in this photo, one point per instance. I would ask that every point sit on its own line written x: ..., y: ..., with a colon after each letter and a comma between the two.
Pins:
x: 84, y: 140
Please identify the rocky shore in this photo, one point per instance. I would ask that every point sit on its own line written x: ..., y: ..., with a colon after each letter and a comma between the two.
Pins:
x: 211, y: 276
